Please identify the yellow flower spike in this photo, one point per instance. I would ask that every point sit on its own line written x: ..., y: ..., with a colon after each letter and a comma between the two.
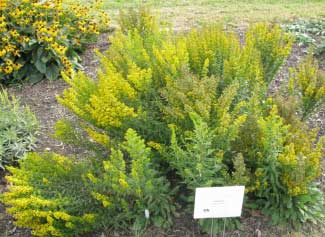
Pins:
x: 62, y: 216
x: 89, y: 217
x: 70, y: 225
x: 259, y: 172
x: 100, y: 138
x: 123, y: 183
x: 154, y: 145
x: 45, y: 181
x: 102, y: 198
x: 92, y: 178
x: 106, y: 203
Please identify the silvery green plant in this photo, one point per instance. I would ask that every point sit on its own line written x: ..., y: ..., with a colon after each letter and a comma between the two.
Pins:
x: 18, y: 128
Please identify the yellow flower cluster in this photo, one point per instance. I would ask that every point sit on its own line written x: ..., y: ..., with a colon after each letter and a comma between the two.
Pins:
x: 272, y: 44
x: 92, y: 178
x: 10, y: 66
x: 290, y: 150
x: 155, y: 145
x: 98, y: 137
x: 102, y: 198
x: 45, y: 216
x: 103, y: 105
x: 214, y: 44
x: 116, y: 170
x: 309, y: 84
x: 23, y: 210
x: 53, y: 25
x: 301, y: 164
x: 3, y: 4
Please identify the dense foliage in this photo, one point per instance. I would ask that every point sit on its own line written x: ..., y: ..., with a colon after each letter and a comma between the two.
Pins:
x: 200, y: 101
x: 308, y: 84
x: 60, y: 196
x: 41, y: 38
x: 18, y: 127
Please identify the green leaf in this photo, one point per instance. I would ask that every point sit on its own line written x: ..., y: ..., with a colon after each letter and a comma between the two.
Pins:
x: 46, y: 57
x: 41, y: 67
x: 23, y: 72
x: 39, y: 52
x: 31, y: 45
x: 35, y: 77
x: 52, y: 72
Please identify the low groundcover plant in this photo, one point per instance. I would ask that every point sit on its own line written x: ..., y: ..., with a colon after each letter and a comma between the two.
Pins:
x: 18, y: 129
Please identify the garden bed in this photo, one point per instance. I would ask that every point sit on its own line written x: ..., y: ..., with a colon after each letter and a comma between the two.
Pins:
x: 41, y: 98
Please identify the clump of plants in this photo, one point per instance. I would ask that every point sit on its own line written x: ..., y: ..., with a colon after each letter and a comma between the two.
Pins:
x: 61, y: 196
x: 200, y: 101
x: 307, y: 84
x: 41, y: 38
x: 310, y: 32
x: 18, y: 128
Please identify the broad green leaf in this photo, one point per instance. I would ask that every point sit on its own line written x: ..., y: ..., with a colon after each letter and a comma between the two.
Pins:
x: 52, y: 72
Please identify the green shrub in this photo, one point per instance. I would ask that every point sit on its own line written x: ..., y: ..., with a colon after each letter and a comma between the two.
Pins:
x: 284, y: 168
x: 204, y: 72
x: 41, y: 38
x: 200, y: 100
x: 308, y: 85
x: 267, y: 39
x: 200, y: 162
x: 214, y: 94
x: 60, y: 196
x: 140, y: 20
x: 18, y: 127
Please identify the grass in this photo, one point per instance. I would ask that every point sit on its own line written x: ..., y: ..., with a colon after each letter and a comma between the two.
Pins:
x: 188, y: 13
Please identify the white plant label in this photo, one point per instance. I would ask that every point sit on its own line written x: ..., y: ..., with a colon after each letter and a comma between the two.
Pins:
x: 218, y: 202
x: 146, y: 213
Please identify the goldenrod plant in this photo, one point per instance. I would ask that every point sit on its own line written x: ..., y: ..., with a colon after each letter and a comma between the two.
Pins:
x: 41, y: 38
x: 307, y: 84
x: 208, y: 73
x: 222, y: 83
x: 266, y: 38
x: 199, y: 100
x: 63, y: 196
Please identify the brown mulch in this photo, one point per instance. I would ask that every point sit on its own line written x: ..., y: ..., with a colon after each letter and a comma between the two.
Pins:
x: 41, y: 98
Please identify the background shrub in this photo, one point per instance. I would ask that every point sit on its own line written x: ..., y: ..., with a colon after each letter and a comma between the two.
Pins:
x: 18, y: 127
x: 41, y: 38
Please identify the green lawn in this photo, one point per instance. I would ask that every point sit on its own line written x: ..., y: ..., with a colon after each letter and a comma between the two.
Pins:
x: 188, y: 13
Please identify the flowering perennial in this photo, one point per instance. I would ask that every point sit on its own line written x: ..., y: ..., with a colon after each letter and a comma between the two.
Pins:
x: 41, y: 38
